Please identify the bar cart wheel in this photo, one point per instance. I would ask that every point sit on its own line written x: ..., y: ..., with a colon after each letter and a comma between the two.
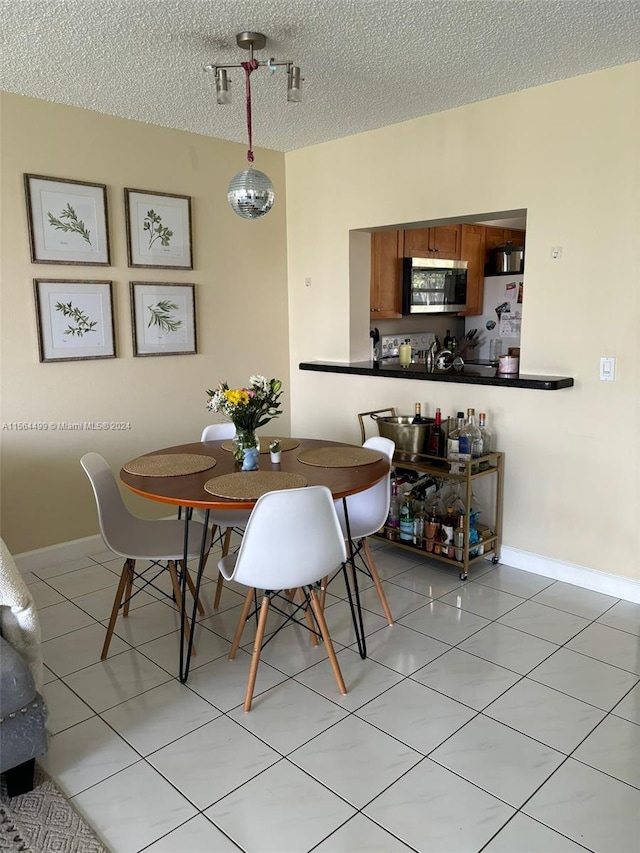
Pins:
x: 463, y: 576
x: 495, y: 560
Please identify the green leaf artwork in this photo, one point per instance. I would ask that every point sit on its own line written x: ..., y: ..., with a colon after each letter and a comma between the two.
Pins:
x: 157, y: 231
x: 82, y: 322
x: 71, y: 224
x: 161, y: 316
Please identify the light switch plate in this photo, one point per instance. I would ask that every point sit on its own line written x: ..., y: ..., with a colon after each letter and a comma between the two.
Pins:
x: 607, y: 369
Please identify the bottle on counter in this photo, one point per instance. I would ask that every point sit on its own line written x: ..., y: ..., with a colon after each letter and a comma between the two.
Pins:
x: 447, y: 340
x: 470, y: 441
x: 393, y: 519
x: 453, y: 441
x: 435, y: 439
x: 418, y: 418
x: 404, y: 353
x: 406, y: 519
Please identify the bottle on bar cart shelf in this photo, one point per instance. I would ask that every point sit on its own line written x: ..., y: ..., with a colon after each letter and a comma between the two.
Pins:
x: 471, y: 439
x: 449, y: 524
x: 458, y: 539
x: 417, y: 418
x: 453, y: 441
x: 406, y: 519
x: 393, y: 519
x: 487, y: 439
x: 435, y: 439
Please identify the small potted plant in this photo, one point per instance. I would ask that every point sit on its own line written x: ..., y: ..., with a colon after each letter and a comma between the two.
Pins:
x: 275, y: 451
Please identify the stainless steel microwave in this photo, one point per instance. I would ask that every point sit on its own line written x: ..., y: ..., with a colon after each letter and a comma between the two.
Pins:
x: 433, y: 286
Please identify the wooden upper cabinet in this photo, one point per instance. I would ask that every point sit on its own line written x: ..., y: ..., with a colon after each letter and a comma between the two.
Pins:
x: 387, y: 251
x: 472, y: 250
x: 441, y: 241
x: 494, y: 237
x: 515, y: 237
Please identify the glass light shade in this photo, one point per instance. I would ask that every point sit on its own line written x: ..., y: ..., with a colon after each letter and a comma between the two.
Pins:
x: 294, y: 85
x: 250, y: 194
x: 223, y: 87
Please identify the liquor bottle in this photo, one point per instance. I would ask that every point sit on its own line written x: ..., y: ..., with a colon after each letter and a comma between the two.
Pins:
x: 470, y: 440
x: 431, y: 529
x: 487, y: 439
x: 417, y: 418
x: 449, y: 524
x: 435, y: 441
x: 418, y: 524
x: 458, y: 539
x: 406, y: 519
x: 393, y: 519
x: 447, y: 340
x: 453, y: 441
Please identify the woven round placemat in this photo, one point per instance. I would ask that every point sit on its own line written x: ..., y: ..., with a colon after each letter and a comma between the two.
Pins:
x: 339, y: 457
x: 250, y: 485
x: 265, y: 441
x: 169, y: 464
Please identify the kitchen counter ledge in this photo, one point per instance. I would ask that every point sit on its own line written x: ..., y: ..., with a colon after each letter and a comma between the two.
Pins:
x: 471, y: 374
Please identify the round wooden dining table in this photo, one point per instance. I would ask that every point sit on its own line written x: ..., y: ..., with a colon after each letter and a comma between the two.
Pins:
x: 188, y: 490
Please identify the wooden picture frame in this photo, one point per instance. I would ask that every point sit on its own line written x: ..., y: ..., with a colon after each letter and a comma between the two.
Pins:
x: 68, y: 221
x: 158, y: 230
x: 163, y: 318
x: 74, y: 319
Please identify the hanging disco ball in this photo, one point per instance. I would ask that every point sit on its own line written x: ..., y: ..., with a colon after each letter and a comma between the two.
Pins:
x: 250, y: 194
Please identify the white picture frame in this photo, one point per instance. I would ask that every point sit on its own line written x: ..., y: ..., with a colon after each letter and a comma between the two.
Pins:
x: 74, y: 319
x: 158, y: 230
x: 68, y: 221
x: 163, y: 318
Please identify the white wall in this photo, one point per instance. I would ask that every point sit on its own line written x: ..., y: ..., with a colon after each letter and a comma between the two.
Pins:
x: 568, y: 154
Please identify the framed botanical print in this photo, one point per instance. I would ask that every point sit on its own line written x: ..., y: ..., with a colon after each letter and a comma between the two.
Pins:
x: 158, y: 229
x: 74, y: 319
x: 68, y: 222
x: 163, y: 316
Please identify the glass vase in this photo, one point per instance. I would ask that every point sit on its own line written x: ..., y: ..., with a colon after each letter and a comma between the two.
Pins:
x: 243, y: 440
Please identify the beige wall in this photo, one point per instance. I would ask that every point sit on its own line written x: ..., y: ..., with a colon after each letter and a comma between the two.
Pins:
x: 568, y: 153
x: 241, y: 292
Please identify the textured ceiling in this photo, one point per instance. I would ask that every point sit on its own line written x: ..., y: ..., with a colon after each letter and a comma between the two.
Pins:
x: 366, y: 63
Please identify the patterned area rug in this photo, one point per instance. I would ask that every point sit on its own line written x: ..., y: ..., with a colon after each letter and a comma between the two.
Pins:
x: 43, y: 821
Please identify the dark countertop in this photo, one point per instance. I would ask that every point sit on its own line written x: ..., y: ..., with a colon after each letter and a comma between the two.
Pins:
x: 471, y: 374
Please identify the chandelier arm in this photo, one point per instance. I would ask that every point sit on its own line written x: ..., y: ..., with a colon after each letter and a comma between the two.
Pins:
x: 249, y: 68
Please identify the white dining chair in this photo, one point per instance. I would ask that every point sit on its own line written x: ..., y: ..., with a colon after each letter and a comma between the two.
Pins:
x: 139, y: 539
x: 293, y: 539
x: 223, y: 523
x: 367, y: 512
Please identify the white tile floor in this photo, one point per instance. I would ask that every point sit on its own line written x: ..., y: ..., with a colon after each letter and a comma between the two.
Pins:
x: 501, y: 715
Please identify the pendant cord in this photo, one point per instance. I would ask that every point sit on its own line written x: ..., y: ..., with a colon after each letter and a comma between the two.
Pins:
x: 249, y: 67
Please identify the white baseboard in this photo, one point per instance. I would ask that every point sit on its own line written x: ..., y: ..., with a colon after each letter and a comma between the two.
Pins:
x: 618, y: 587
x: 613, y: 585
x: 61, y: 553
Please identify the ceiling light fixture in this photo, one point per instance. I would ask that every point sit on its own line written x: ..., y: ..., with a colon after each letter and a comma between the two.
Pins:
x: 250, y: 192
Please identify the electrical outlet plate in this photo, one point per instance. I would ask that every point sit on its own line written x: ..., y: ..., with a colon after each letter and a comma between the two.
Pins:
x: 607, y: 369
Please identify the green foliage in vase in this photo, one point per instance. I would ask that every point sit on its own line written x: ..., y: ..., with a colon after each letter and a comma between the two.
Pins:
x: 82, y: 322
x: 161, y: 316
x: 157, y: 231
x: 71, y: 224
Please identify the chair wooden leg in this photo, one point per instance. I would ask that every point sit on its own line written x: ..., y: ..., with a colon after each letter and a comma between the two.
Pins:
x: 309, y: 619
x: 124, y: 578
x: 128, y: 590
x: 191, y: 586
x: 227, y: 541
x: 241, y: 623
x: 375, y: 577
x: 257, y: 648
x: 219, y: 585
x: 335, y: 666
x: 175, y: 583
